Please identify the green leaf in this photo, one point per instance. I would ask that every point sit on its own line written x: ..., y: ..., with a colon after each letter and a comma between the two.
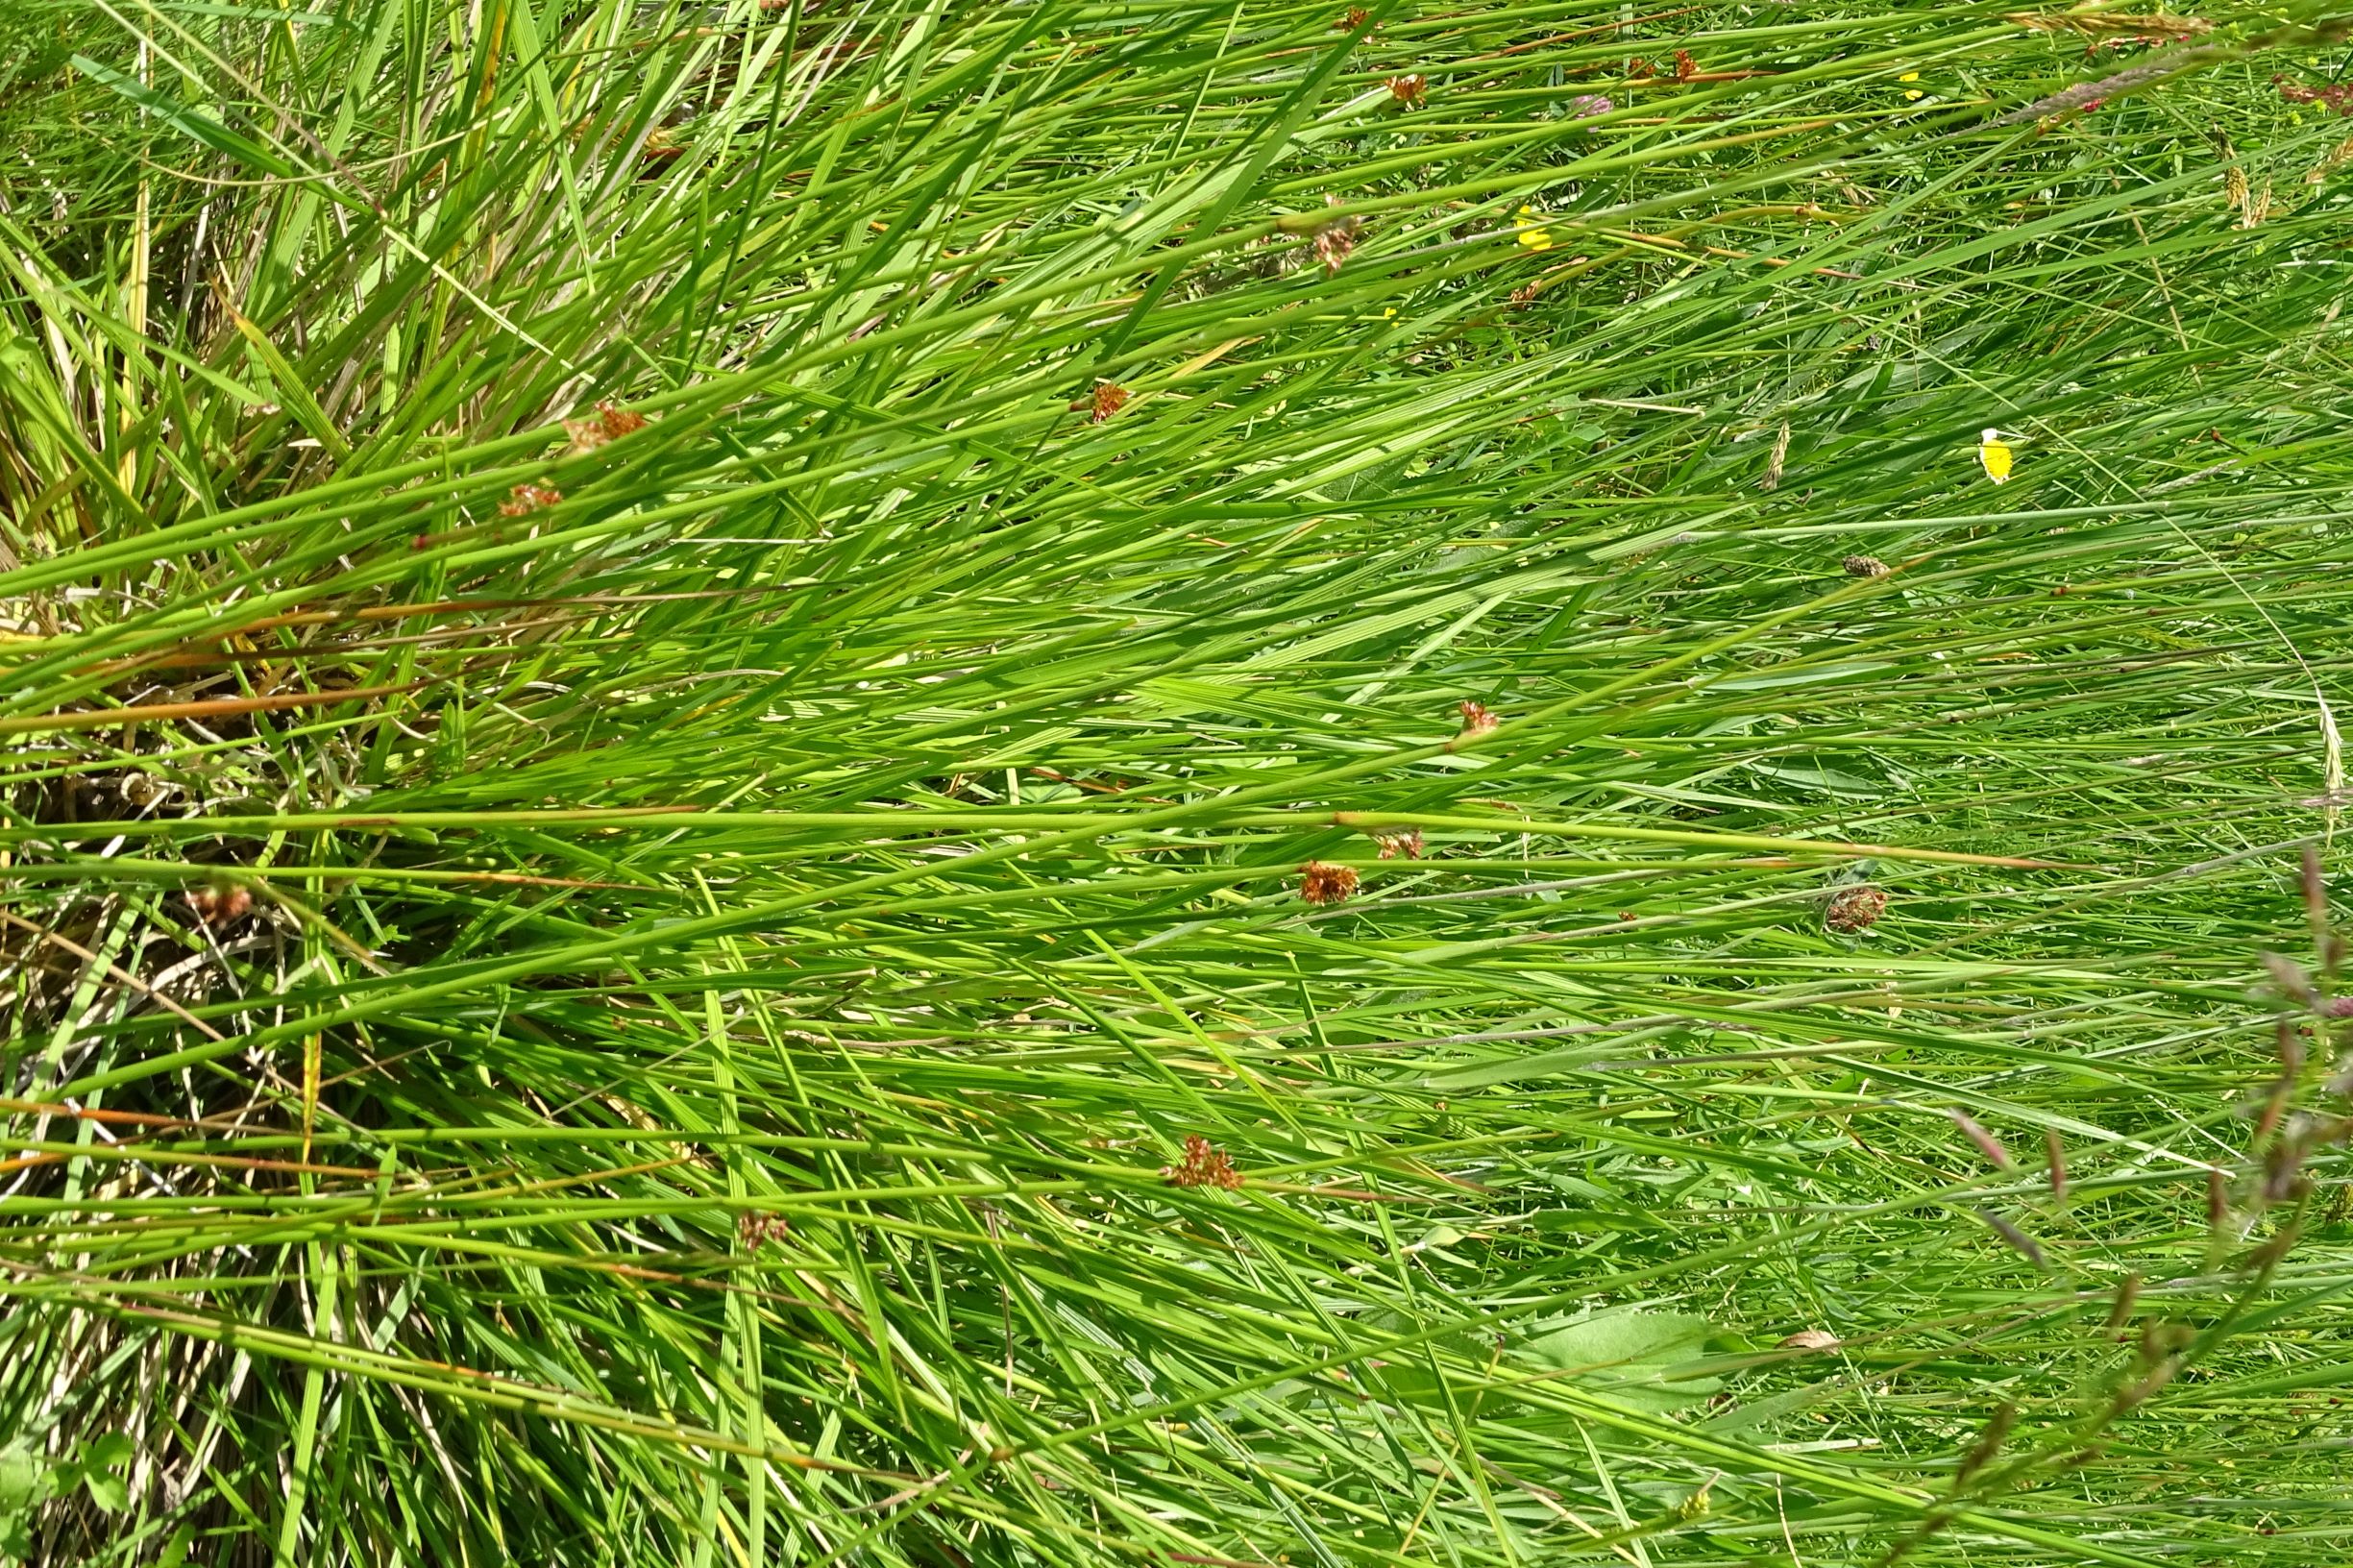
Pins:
x: 187, y: 120
x: 95, y: 1462
x: 109, y: 1490
x: 1630, y: 1354
x: 24, y: 1480
x: 106, y: 1450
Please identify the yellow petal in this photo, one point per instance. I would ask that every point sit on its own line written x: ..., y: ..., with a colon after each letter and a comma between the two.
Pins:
x: 1537, y: 240
x: 1913, y: 93
x: 1909, y: 76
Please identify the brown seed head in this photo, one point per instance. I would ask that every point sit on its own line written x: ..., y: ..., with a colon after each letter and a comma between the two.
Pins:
x: 609, y: 423
x: 1409, y: 90
x: 1404, y: 841
x: 756, y: 1229
x: 1854, y: 909
x: 1106, y: 399
x: 1775, y: 464
x: 221, y: 907
x: 526, y: 499
x: 2337, y: 97
x: 1865, y: 566
x: 1320, y: 882
x: 2335, y: 158
x: 1349, y: 21
x: 1476, y: 720
x: 2146, y: 27
x: 1204, y: 1164
x: 1988, y: 1145
x: 1334, y: 243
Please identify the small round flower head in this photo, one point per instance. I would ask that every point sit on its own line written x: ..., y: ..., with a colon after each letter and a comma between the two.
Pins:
x: 1854, y: 909
x: 1865, y: 566
x: 1334, y: 243
x: 221, y: 906
x: 525, y: 499
x: 609, y: 423
x: 1205, y: 1165
x: 1320, y: 882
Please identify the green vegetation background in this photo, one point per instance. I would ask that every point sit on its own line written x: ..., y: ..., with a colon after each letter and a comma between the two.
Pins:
x: 729, y: 981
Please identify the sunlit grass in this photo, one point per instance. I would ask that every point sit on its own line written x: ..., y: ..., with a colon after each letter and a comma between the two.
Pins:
x: 930, y: 786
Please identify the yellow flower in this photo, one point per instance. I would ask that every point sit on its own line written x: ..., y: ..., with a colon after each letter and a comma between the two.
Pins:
x: 1911, y: 94
x: 1909, y: 76
x: 1537, y: 240
x: 1994, y: 454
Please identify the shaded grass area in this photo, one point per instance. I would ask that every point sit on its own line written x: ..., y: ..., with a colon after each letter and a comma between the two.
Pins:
x: 673, y: 675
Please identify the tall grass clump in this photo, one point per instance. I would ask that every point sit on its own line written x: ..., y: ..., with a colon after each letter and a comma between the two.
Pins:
x: 915, y: 783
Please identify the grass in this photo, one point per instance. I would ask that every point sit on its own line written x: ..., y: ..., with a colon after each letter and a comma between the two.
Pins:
x: 727, y: 982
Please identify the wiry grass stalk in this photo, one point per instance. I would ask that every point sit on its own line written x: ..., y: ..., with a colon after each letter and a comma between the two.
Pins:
x: 928, y: 785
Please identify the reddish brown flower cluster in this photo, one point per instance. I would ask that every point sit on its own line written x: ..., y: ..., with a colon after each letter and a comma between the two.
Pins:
x: 221, y: 907
x: 1476, y: 720
x: 756, y: 1229
x: 608, y: 424
x: 1409, y: 90
x: 1349, y: 21
x: 1854, y: 909
x: 1865, y: 566
x: 1685, y: 67
x: 1320, y: 882
x: 1204, y: 1164
x: 525, y: 499
x: 1106, y: 399
x: 1335, y: 241
x: 1404, y: 841
x: 2337, y: 97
